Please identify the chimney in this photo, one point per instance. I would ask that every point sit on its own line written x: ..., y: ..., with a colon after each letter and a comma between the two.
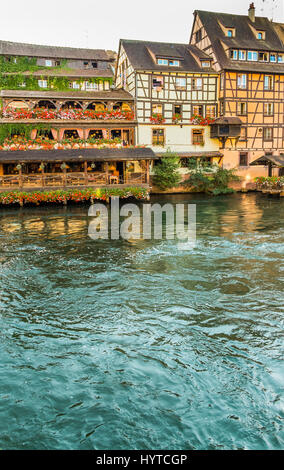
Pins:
x: 251, y: 12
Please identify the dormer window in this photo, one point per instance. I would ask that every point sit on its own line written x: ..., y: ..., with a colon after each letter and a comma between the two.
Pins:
x: 280, y: 58
x: 273, y: 58
x: 169, y: 62
x: 174, y: 63
x: 242, y: 55
x: 260, y: 35
x: 230, y: 33
x: 205, y: 63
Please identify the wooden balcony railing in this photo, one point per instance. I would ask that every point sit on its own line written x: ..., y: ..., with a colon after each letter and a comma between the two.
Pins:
x: 68, y: 179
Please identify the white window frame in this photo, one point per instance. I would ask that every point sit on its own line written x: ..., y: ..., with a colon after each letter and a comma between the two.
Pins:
x: 181, y: 83
x: 242, y: 55
x: 252, y: 56
x: 42, y: 83
x: 242, y: 81
x: 48, y: 62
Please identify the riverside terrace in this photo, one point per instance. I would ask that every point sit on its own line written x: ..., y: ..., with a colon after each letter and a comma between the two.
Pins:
x: 75, y: 168
x: 61, y: 115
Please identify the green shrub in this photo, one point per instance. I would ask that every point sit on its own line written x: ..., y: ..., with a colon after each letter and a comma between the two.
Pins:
x: 166, y: 174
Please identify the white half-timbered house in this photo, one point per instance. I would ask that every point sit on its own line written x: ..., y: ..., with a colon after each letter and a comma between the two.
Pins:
x: 175, y: 90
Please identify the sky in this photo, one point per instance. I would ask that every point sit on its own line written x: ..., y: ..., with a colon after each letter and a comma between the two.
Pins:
x: 99, y: 24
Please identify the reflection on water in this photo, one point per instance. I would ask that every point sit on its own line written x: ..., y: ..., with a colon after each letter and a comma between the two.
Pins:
x: 124, y: 345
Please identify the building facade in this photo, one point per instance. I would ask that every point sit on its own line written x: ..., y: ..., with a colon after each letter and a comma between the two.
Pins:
x: 248, y: 53
x: 176, y: 94
x: 55, y: 99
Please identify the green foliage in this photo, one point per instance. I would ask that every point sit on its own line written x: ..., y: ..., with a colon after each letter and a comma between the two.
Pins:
x: 215, y: 183
x: 12, y: 75
x: 8, y: 130
x: 166, y: 173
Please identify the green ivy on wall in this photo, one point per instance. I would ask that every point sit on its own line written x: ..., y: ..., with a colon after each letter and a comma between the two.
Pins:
x: 7, y: 130
x: 12, y: 75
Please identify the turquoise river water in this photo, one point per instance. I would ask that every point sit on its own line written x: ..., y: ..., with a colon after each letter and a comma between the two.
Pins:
x: 139, y: 345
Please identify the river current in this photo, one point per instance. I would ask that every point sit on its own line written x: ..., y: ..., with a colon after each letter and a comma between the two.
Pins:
x: 137, y: 344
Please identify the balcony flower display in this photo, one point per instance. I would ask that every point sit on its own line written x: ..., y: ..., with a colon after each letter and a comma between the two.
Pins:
x: 197, y: 120
x: 177, y: 118
x: 66, y: 114
x: 157, y: 119
x: 41, y: 143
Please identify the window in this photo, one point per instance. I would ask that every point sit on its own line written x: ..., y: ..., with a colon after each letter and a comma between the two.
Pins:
x: 198, y: 35
x: 197, y: 83
x: 243, y: 134
x: 243, y: 159
x: 162, y: 62
x: 42, y: 83
x: 263, y: 56
x: 242, y: 108
x: 181, y: 83
x: 273, y: 58
x: 86, y: 65
x: 230, y: 33
x: 280, y: 58
x: 48, y: 63
x: 268, y: 109
x: 57, y: 63
x: 222, y: 81
x: 267, y: 133
x: 242, y: 80
x: 205, y: 63
x: 158, y: 137
x: 74, y: 85
x: 177, y: 109
x: 94, y: 65
x: 158, y: 83
x: 91, y: 86
x: 234, y: 54
x: 242, y: 55
x: 197, y: 110
x: 174, y: 63
x: 211, y: 111
x: 197, y: 137
x: 268, y: 82
x: 157, y: 109
x: 252, y: 55
x: 260, y: 35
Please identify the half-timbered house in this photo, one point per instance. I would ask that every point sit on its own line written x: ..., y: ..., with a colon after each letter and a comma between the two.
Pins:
x: 175, y: 90
x: 54, y: 99
x: 248, y: 53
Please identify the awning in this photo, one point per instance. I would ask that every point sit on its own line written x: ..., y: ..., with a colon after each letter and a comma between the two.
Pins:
x: 75, y: 155
x: 228, y: 120
x: 275, y: 160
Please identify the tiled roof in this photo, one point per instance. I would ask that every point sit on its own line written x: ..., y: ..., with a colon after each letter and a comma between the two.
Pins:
x: 139, y: 54
x: 244, y: 39
x: 78, y: 154
x: 56, y: 52
x: 94, y: 95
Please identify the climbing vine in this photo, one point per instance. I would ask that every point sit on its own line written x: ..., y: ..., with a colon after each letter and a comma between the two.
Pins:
x: 7, y: 130
x: 13, y: 75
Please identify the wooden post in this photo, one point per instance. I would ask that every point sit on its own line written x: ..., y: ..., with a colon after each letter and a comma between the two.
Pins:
x: 64, y: 177
x: 106, y: 172
x: 86, y: 173
x: 147, y: 172
x: 20, y: 178
x: 269, y: 169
